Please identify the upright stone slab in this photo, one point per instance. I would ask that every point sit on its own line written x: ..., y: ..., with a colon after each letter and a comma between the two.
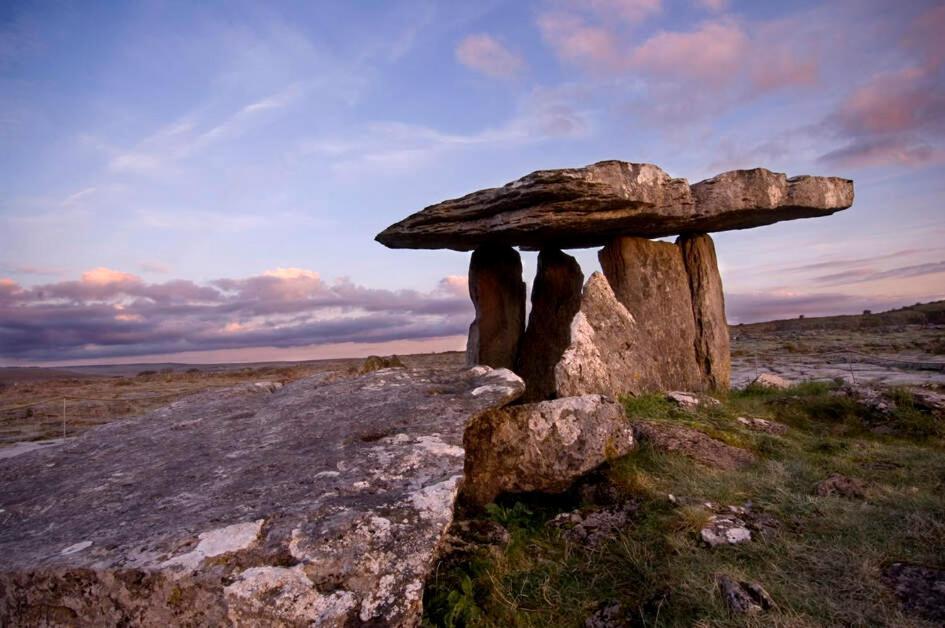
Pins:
x: 556, y: 298
x: 708, y: 308
x: 606, y: 354
x: 498, y: 293
x: 651, y: 281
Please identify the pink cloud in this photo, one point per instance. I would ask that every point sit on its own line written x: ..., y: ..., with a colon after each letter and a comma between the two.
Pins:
x: 891, y: 102
x: 485, y: 54
x: 575, y: 41
x: 103, y: 276
x: 713, y: 52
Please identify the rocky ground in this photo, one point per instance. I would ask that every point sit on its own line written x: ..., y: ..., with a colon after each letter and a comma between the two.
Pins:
x: 31, y: 399
x: 893, y: 356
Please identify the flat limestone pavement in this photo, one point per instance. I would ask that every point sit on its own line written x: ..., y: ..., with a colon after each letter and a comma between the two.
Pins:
x: 320, y: 503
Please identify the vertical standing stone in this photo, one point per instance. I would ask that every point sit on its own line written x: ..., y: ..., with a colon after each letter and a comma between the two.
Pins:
x: 556, y: 298
x: 651, y: 281
x: 708, y: 308
x: 498, y: 292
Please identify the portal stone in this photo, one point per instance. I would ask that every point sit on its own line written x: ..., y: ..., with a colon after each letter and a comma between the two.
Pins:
x: 604, y: 355
x: 708, y: 308
x: 498, y: 293
x: 556, y: 298
x: 649, y: 278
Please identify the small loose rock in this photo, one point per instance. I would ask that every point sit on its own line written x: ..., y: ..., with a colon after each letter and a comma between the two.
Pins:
x: 725, y: 529
x: 770, y: 380
x: 763, y: 425
x: 841, y: 486
x: 744, y: 597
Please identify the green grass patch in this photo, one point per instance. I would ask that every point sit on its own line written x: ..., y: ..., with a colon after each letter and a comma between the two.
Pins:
x: 821, y: 563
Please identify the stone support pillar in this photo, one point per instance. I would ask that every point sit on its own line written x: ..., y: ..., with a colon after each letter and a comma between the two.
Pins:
x: 708, y: 308
x: 556, y: 298
x: 498, y: 293
x: 649, y: 278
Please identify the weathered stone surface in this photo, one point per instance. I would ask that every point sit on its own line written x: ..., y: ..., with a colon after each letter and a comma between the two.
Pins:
x: 594, y: 528
x: 770, y: 380
x: 675, y: 438
x: 725, y: 529
x: 542, y: 446
x: 556, y: 298
x: 498, y: 293
x: 743, y: 597
x: 584, y: 207
x: 708, y: 307
x: 650, y: 279
x: 604, y: 355
x: 740, y: 199
x: 320, y: 503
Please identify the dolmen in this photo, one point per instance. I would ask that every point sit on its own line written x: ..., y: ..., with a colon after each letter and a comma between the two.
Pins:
x: 655, y: 320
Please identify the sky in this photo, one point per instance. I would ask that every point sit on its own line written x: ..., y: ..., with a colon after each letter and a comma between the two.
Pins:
x: 202, y: 182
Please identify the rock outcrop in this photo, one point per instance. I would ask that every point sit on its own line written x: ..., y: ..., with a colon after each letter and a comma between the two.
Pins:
x: 589, y: 206
x: 713, y: 354
x: 498, y: 293
x: 556, y: 298
x: 650, y: 280
x: 542, y: 446
x: 320, y: 503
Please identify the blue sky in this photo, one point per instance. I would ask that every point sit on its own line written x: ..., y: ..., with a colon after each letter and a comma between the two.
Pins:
x: 204, y: 180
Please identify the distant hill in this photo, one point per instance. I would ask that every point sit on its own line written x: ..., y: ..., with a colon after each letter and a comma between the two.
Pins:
x: 932, y: 313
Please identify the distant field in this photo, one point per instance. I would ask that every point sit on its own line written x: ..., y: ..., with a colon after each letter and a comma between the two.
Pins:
x: 31, y: 399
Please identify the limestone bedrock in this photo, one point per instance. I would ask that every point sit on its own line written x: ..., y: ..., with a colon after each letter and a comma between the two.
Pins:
x: 321, y: 503
x: 589, y: 206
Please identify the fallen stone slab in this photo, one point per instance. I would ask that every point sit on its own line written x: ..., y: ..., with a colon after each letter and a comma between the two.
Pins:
x: 319, y: 503
x: 542, y: 446
x: 589, y: 206
x: 675, y: 438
